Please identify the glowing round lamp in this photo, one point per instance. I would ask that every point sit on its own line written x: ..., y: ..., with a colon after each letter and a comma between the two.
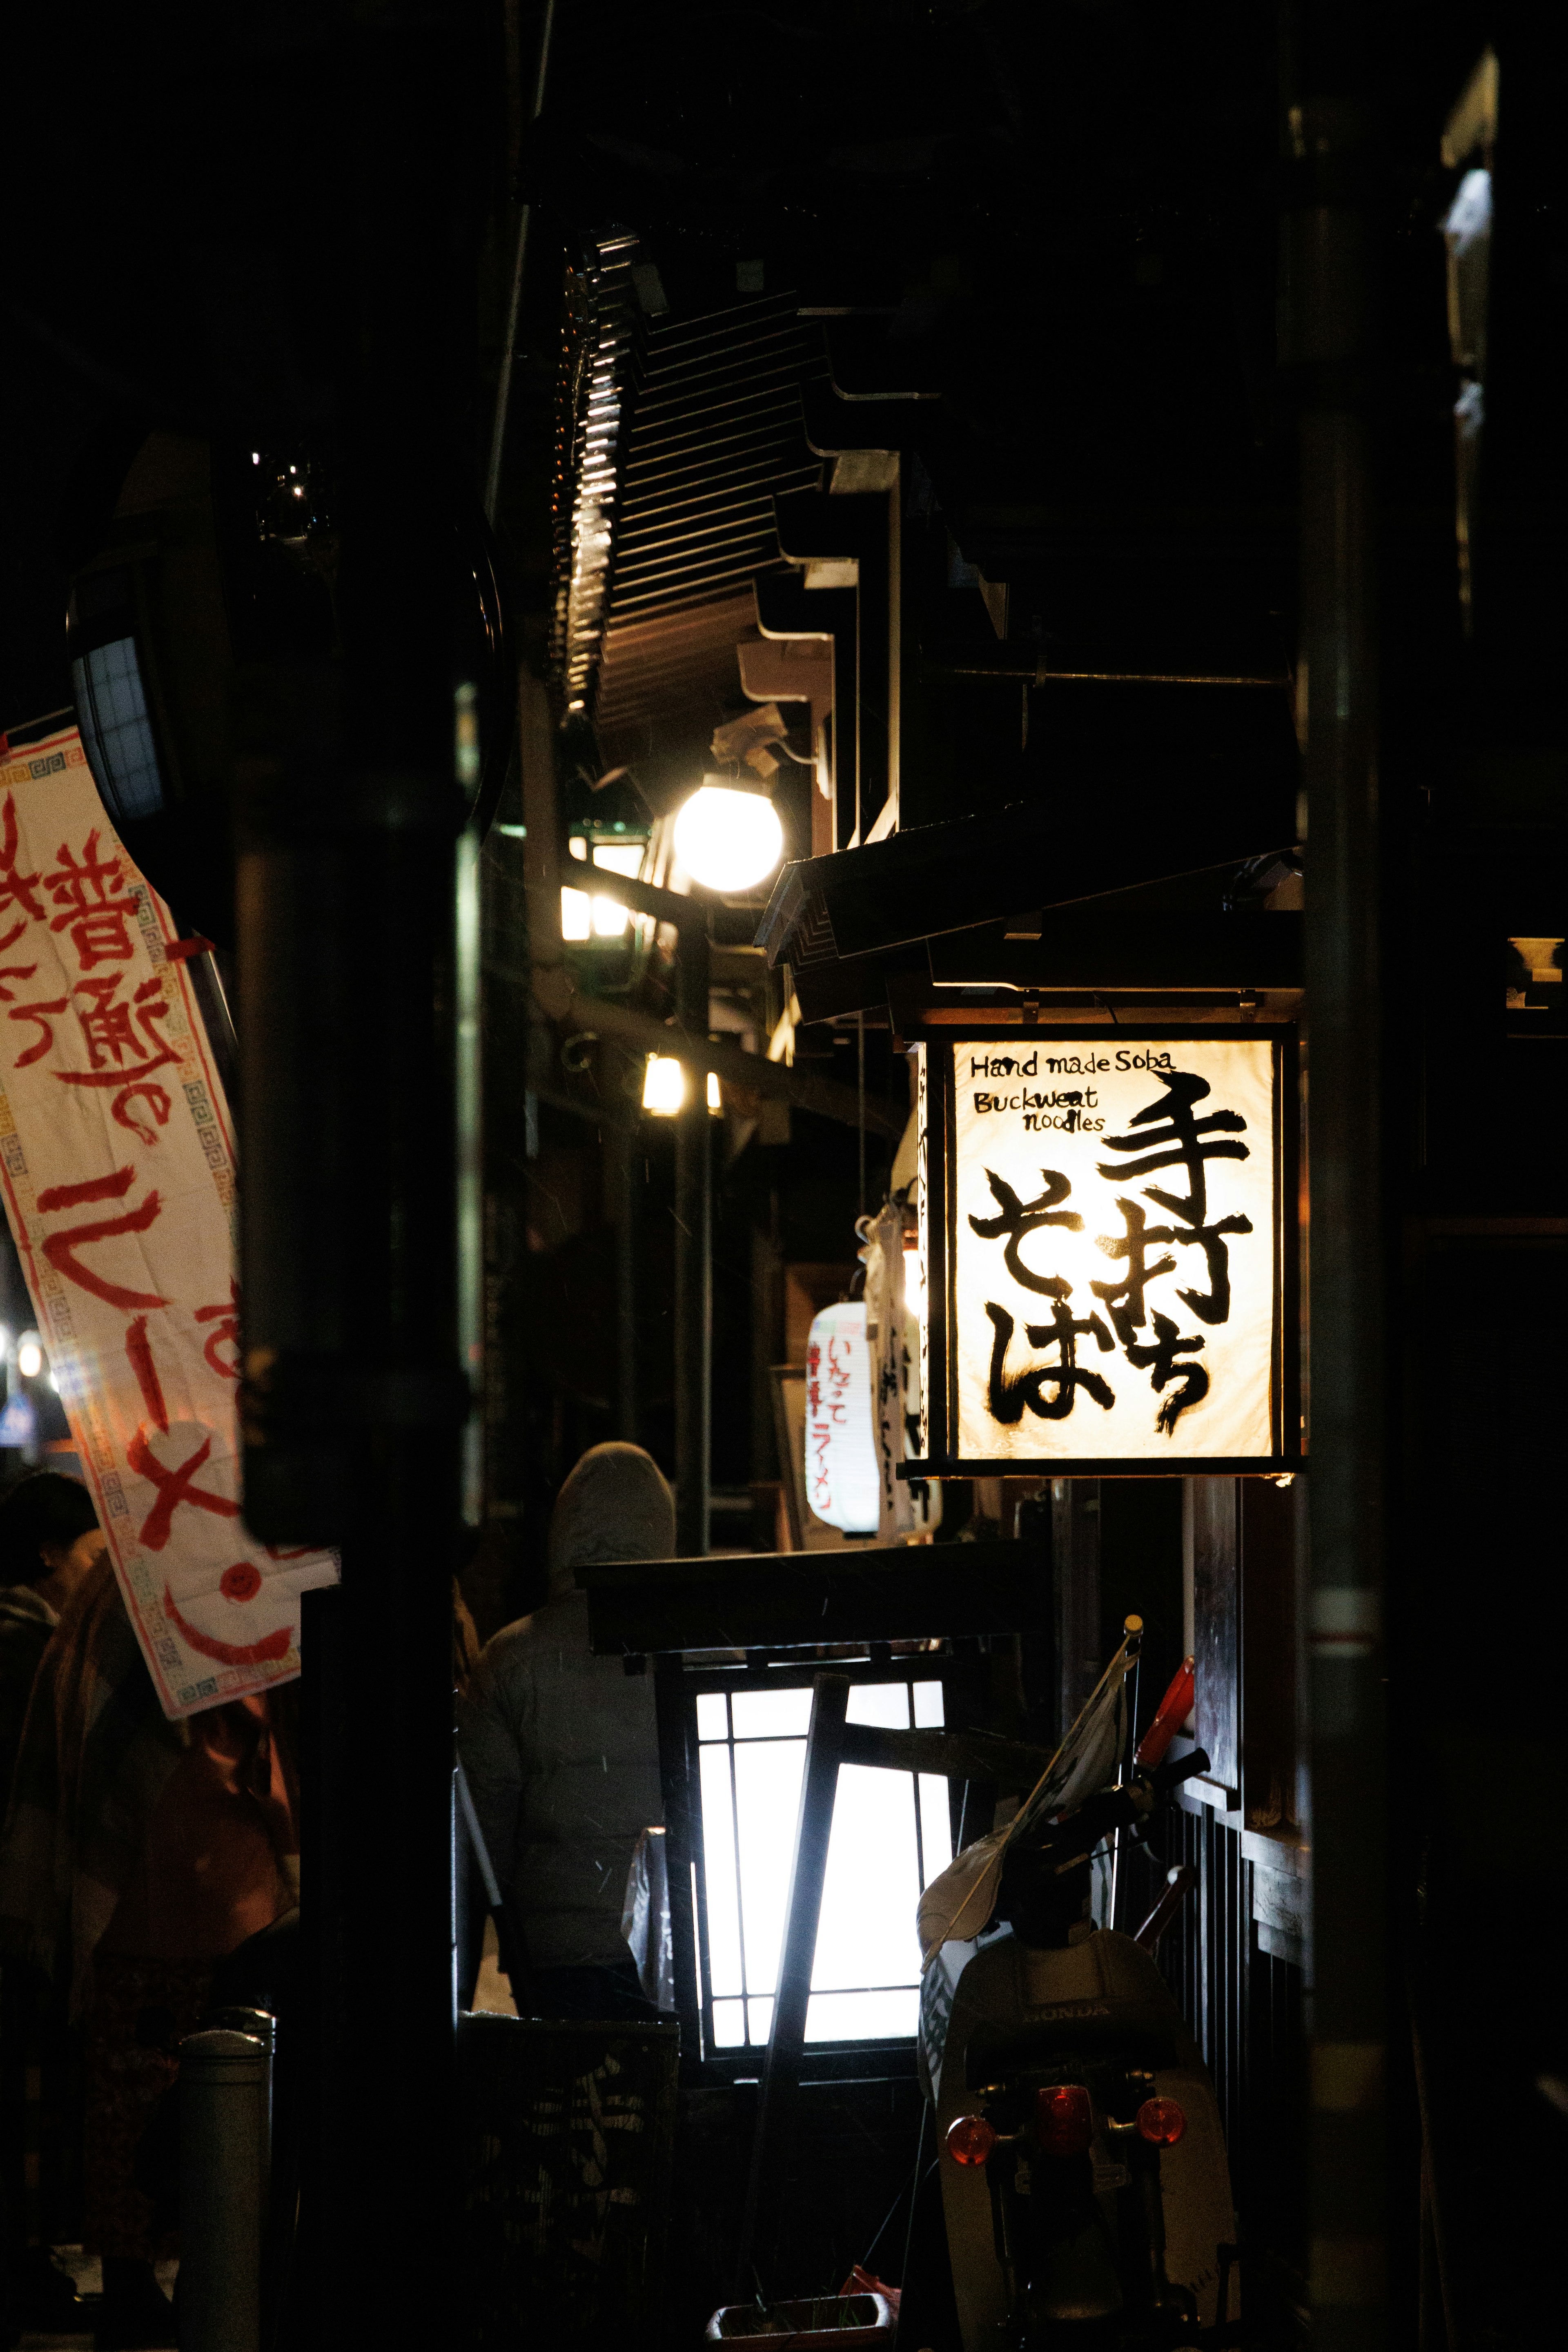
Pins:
x: 30, y: 1357
x: 728, y: 839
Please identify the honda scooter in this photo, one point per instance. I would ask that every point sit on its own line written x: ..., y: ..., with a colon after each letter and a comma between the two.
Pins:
x: 1084, y: 2181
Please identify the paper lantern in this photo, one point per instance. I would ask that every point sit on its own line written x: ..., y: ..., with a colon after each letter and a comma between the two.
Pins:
x: 894, y: 1306
x: 728, y: 837
x: 841, y: 1467
x: 1108, y: 1256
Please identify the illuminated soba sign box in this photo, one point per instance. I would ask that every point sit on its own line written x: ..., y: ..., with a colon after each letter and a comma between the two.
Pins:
x: 1106, y: 1227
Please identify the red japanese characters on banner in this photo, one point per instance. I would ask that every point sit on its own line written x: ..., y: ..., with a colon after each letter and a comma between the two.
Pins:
x: 117, y: 1161
x: 841, y: 1468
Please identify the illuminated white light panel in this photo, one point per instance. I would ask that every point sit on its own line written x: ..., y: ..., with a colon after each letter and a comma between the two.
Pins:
x: 890, y: 1837
x: 587, y: 915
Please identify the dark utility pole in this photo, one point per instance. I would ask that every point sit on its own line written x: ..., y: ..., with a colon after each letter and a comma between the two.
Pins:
x: 693, y: 1206
x: 1330, y: 138
x: 621, y: 1163
x: 693, y: 1258
x: 349, y: 813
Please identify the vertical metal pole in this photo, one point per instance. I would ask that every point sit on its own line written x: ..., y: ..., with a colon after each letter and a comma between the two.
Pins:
x: 1132, y: 1629
x: 767, y: 1350
x: 1075, y: 1568
x: 693, y: 1261
x: 682, y: 1834
x: 802, y: 1913
x: 620, y: 1182
x: 514, y: 304
x: 347, y: 814
x: 1348, y: 1404
x: 471, y: 1236
x: 226, y: 2096
x: 860, y: 1104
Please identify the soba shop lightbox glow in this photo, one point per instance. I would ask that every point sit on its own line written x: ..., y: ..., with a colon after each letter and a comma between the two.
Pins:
x: 1106, y: 1227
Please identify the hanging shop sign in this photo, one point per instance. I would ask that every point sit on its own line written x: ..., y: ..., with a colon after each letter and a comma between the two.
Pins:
x: 841, y: 1468
x: 1105, y: 1231
x: 905, y: 1507
x: 117, y: 1162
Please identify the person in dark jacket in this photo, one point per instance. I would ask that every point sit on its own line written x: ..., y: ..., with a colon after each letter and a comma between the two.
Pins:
x: 50, y: 1542
x: 561, y: 1750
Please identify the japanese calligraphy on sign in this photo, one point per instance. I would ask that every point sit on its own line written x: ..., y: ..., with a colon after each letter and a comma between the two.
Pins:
x: 841, y: 1466
x: 1112, y: 1249
x: 117, y: 1164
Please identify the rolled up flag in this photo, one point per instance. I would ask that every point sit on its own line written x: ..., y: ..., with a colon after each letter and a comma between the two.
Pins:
x: 1169, y: 1715
x: 960, y: 1902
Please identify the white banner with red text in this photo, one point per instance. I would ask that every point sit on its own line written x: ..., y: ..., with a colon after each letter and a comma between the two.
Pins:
x: 117, y: 1159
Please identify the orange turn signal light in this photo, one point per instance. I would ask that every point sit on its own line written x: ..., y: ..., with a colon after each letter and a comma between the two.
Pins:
x: 970, y: 2139
x: 1162, y: 2121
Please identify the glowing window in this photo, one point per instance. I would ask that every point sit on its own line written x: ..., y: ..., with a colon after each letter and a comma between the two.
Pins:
x: 610, y: 917
x: 891, y: 1834
x: 590, y: 915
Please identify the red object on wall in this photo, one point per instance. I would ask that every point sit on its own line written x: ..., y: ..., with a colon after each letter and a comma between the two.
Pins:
x: 1170, y: 1714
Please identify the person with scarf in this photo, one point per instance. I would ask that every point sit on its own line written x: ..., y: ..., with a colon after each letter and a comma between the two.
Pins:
x: 560, y: 1750
x: 137, y: 1853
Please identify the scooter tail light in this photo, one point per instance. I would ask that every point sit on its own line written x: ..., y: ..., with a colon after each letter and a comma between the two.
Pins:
x: 1064, y: 2119
x: 970, y: 2139
x: 1162, y: 2122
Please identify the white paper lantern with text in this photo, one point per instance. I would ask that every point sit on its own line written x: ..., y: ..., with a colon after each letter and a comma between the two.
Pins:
x: 841, y: 1466
x: 906, y: 1507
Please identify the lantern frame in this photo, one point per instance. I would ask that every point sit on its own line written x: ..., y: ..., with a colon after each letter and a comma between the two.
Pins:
x: 942, y: 1041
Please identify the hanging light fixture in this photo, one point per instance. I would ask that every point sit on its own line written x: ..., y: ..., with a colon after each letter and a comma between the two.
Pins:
x: 587, y: 915
x: 727, y: 837
x: 663, y: 1086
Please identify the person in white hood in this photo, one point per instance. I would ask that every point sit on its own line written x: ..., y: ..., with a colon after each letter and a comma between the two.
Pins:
x: 560, y: 1750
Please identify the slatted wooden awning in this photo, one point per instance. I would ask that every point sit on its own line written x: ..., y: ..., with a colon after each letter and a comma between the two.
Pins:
x: 678, y: 432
